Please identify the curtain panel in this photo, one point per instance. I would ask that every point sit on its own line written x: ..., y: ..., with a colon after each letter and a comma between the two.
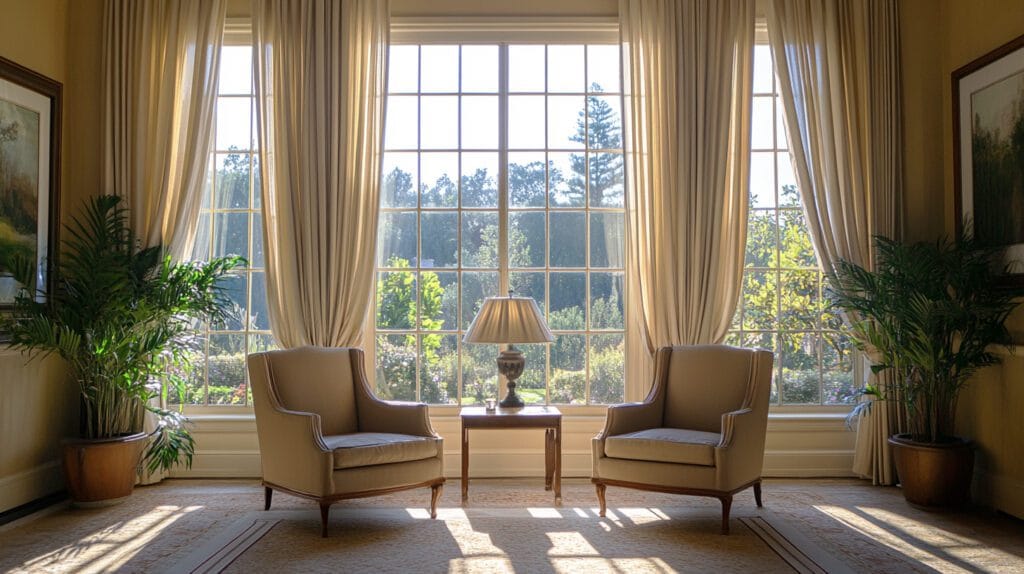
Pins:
x: 161, y: 61
x: 688, y: 79
x: 320, y: 88
x: 160, y: 70
x: 838, y: 66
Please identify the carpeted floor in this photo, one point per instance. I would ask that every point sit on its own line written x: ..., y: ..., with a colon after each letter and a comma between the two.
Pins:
x: 513, y: 526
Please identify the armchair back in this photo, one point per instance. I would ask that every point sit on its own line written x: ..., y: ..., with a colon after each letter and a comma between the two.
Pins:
x: 315, y: 380
x: 701, y: 383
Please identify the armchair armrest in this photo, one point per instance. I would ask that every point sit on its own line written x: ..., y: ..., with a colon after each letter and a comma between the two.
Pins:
x: 631, y: 417
x: 734, y: 423
x: 292, y: 451
x: 408, y: 418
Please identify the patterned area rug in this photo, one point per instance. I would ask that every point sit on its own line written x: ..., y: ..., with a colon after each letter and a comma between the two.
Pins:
x: 543, y: 539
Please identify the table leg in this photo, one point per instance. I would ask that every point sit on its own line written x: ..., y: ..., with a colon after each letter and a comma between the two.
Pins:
x: 558, y: 463
x: 549, y: 457
x: 465, y: 463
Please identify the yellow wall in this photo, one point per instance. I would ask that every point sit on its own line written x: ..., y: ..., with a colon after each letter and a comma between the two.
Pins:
x: 37, y: 406
x: 991, y: 405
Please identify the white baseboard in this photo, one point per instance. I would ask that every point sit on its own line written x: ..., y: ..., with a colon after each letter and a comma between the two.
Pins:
x: 31, y: 484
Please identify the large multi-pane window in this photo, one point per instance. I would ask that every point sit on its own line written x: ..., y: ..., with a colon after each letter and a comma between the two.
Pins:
x: 503, y: 171
x: 782, y: 306
x: 231, y: 224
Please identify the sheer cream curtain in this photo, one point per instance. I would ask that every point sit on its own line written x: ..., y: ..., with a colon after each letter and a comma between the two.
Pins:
x: 320, y: 87
x: 160, y: 71
x: 688, y: 73
x: 838, y: 65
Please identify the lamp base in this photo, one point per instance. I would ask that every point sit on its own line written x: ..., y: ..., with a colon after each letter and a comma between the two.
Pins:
x: 510, y: 364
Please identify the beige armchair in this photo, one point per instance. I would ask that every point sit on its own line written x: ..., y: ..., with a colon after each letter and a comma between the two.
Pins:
x: 323, y: 434
x: 700, y: 431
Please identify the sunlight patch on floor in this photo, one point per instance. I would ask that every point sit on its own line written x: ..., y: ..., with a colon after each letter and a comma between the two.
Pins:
x: 112, y: 547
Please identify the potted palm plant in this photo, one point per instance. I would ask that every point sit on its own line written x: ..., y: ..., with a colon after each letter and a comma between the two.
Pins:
x: 930, y: 314
x: 121, y: 317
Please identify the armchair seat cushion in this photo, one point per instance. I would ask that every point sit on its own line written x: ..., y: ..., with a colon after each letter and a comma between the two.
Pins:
x: 370, y: 448
x: 680, y: 446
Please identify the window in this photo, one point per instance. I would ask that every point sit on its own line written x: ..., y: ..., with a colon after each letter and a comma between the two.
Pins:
x: 782, y: 307
x: 503, y: 168
x: 230, y: 223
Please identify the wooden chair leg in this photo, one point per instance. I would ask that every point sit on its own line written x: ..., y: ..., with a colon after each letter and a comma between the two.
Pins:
x: 268, y: 493
x: 601, y: 488
x: 435, y: 495
x: 757, y: 493
x: 325, y: 509
x: 726, y: 506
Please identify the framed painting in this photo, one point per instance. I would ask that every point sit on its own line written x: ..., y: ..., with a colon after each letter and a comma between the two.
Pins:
x: 30, y: 127
x: 988, y: 165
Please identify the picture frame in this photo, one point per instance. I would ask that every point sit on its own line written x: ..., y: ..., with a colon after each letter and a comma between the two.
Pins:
x: 988, y: 115
x: 30, y: 142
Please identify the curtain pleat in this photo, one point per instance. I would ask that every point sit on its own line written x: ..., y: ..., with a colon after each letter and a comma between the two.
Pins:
x: 838, y: 67
x: 688, y: 79
x: 160, y: 73
x: 320, y: 88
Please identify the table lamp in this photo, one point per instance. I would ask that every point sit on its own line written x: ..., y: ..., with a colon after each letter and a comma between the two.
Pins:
x: 509, y: 320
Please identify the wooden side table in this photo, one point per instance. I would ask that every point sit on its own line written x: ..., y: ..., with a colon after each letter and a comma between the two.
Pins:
x: 547, y: 418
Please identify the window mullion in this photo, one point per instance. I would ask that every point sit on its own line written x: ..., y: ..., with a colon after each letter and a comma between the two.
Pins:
x: 503, y: 200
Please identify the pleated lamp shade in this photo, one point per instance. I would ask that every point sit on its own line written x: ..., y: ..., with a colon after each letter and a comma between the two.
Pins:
x: 509, y: 320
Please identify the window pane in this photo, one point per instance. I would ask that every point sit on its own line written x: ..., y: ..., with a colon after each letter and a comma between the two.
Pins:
x: 604, y: 125
x: 565, y: 69
x: 480, y: 239
x: 531, y: 385
x: 796, y: 248
x: 480, y: 69
x: 763, y: 71
x: 439, y: 68
x: 761, y: 133
x: 476, y: 286
x: 398, y: 177
x: 403, y: 72
x: 396, y: 239
x: 234, y: 122
x: 568, y: 239
x: 396, y: 300
x: 201, y: 248
x: 607, y: 368
x: 603, y: 68
x: 800, y: 302
x: 759, y: 300
x: 567, y: 174
x: 480, y: 122
x: 606, y: 301
x: 761, y: 238
x: 402, y: 120
x: 226, y: 364
x: 526, y: 179
x: 526, y: 122
x: 568, y: 302
x: 566, y: 124
x: 479, y: 180
x: 439, y: 127
x: 526, y: 239
x: 234, y: 287
x: 232, y: 181
x: 529, y: 285
x: 607, y: 239
x: 837, y: 369
x: 440, y: 240
x: 479, y: 373
x: 762, y: 179
x: 396, y: 367
x: 439, y: 179
x: 257, y: 183
x: 439, y: 381
x: 439, y: 299
x: 789, y: 193
x: 258, y: 313
x: 606, y: 175
x: 800, y: 377
x: 568, y: 369
x: 526, y: 68
x: 235, y: 70
x: 231, y: 234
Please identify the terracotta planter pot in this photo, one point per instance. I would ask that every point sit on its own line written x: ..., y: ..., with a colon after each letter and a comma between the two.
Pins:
x: 934, y: 476
x: 102, y: 471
